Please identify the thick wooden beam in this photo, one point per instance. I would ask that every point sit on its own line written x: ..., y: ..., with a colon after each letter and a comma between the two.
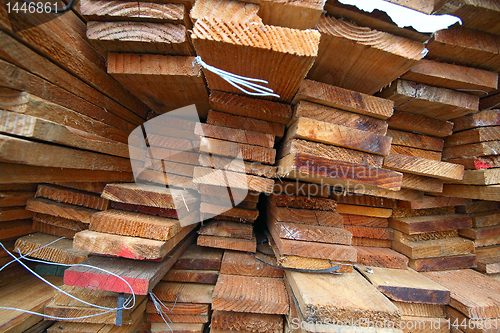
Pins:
x: 348, y: 54
x: 164, y: 83
x: 256, y: 57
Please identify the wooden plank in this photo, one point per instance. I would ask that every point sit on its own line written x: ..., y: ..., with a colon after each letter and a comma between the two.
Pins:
x: 225, y: 10
x: 473, y: 136
x: 478, y: 162
x: 443, y: 263
x: 365, y: 221
x: 192, y: 276
x: 233, y: 179
x: 489, y: 192
x: 362, y: 200
x: 402, y: 237
x: 144, y: 74
x: 414, y: 140
x: 238, y: 244
x: 135, y: 37
x: 472, y: 293
x: 250, y: 107
x: 250, y: 294
x: 15, y: 198
x: 311, y: 249
x: 17, y: 228
x: 302, y: 202
x: 57, y: 226
x: 234, y: 193
x: 237, y: 150
x: 489, y: 265
x: 14, y: 213
x: 467, y: 325
x: 14, y: 150
x: 466, y: 47
x: 324, y: 171
x: 485, y: 219
x: 430, y: 101
x: 434, y: 248
x: 227, y: 229
x: 336, y: 116
x: 348, y: 51
x: 249, y: 124
x: 309, y: 233
x: 470, y: 11
x: 477, y: 206
x: 30, y: 127
x: 421, y: 309
x: 481, y: 177
x: 154, y: 318
x: 488, y: 252
x: 98, y: 10
x: 79, y: 61
x: 486, y: 242
x: 197, y: 257
x: 239, y: 263
x: 176, y: 328
x: 212, y: 37
x: 480, y: 233
x: 412, y: 122
x: 422, y: 224
x: 348, y: 100
x: 435, y: 202
x: 300, y: 188
x: 488, y: 102
x: 422, y: 183
x: 364, y: 210
x: 246, y: 322
x: 19, y: 294
x: 234, y: 135
x: 371, y: 242
x: 61, y: 251
x: 404, y: 285
x: 182, y: 308
x: 164, y: 212
x: 135, y: 224
x: 471, y: 80
x: 360, y: 300
x: 428, y: 154
x: 305, y: 216
x: 126, y: 246
x: 63, y: 210
x: 337, y: 135
x: 29, y: 174
x: 381, y: 257
x: 480, y: 119
x: 184, y: 292
x: 141, y: 275
x: 147, y: 195
x: 369, y: 232
x: 73, y: 197
x: 296, y: 146
x: 230, y: 164
x: 423, y: 166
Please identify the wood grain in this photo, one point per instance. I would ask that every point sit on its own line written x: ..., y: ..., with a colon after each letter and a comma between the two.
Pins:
x: 381, y: 257
x: 424, y: 167
x: 245, y: 123
x: 73, y: 197
x: 412, y: 122
x: 49, y: 207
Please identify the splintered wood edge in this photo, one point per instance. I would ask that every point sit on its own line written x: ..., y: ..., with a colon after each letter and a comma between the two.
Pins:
x: 278, y: 39
x: 363, y: 35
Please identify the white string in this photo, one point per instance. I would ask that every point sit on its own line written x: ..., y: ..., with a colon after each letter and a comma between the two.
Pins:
x: 125, y: 307
x: 237, y: 81
x: 159, y: 305
x: 477, y: 90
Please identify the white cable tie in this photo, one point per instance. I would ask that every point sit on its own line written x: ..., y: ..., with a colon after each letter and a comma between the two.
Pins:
x: 239, y: 81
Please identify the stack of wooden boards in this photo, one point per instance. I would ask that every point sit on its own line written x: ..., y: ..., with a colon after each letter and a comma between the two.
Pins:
x: 250, y: 295
x: 338, y: 137
x: 426, y: 232
x: 185, y: 292
x: 475, y: 144
x: 306, y: 233
x: 236, y: 165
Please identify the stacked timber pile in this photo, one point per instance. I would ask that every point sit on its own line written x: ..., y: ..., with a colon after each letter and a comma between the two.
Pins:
x: 306, y: 233
x: 186, y: 292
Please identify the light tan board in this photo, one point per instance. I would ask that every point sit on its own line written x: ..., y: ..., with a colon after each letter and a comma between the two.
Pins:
x: 424, y: 167
x: 434, y: 248
x: 412, y: 122
x: 250, y: 294
x: 238, y: 263
x: 232, y: 179
x: 256, y: 57
x: 246, y: 322
x: 354, y: 297
x: 70, y: 212
x: 73, y: 197
x: 228, y: 243
x: 156, y: 79
x: 430, y: 101
x: 349, y: 54
x: 225, y: 10
x: 381, y: 257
